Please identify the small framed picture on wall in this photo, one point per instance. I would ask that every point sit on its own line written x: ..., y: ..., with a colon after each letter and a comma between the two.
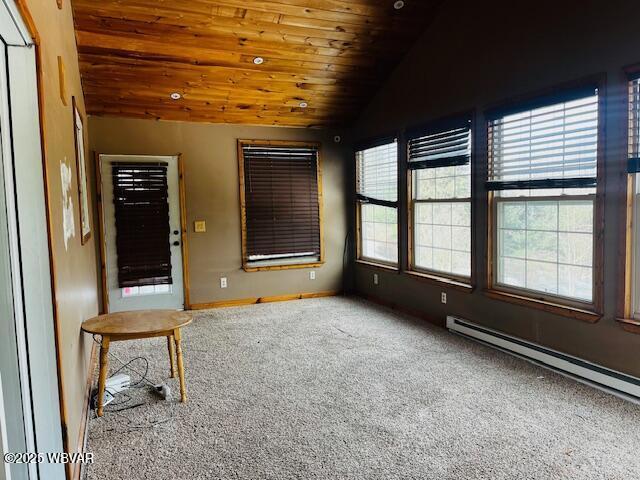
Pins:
x: 83, y: 194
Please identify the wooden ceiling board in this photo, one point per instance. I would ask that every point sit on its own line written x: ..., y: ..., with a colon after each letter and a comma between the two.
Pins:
x: 331, y: 54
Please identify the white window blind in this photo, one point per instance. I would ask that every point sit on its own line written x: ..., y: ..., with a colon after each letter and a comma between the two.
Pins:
x: 634, y: 126
x: 550, y: 146
x: 377, y: 173
x: 377, y: 196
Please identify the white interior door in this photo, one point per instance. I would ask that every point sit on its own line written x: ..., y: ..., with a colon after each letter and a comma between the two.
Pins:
x: 148, y: 296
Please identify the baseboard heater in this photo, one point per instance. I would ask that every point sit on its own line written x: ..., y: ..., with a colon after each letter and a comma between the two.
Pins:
x: 611, y: 381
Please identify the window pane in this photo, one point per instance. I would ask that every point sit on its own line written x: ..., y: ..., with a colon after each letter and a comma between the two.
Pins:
x: 542, y: 276
x: 542, y: 246
x: 576, y: 216
x: 542, y: 215
x: 512, y: 271
x: 442, y: 237
x: 546, y: 246
x: 442, y: 183
x: 461, y: 263
x: 379, y: 232
x: 575, y: 282
x: 576, y: 248
x: 513, y: 243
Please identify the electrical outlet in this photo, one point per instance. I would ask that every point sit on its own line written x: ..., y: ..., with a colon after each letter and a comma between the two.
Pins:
x: 223, y: 282
x: 443, y: 297
x: 375, y: 279
x: 312, y: 275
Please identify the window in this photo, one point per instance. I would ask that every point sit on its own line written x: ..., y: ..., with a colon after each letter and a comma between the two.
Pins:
x: 280, y: 204
x: 439, y: 165
x: 141, y: 206
x: 377, y: 203
x: 146, y: 290
x: 543, y: 178
x: 633, y: 307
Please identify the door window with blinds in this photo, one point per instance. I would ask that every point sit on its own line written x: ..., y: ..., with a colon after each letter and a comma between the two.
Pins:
x: 280, y: 203
x: 141, y: 207
x: 439, y: 164
x: 632, y: 299
x: 377, y: 203
x: 543, y: 165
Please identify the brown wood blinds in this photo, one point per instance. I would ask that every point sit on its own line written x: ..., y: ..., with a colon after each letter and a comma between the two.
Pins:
x: 281, y: 201
x: 141, y: 202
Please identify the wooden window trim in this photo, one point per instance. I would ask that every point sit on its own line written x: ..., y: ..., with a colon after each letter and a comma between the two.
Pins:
x: 589, y: 312
x: 373, y: 262
x: 443, y: 281
x: 625, y: 303
x: 246, y: 265
x: 627, y: 213
x: 564, y: 310
x: 466, y: 284
x: 378, y: 264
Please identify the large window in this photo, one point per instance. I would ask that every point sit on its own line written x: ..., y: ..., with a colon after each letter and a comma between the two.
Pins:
x: 543, y: 179
x: 280, y: 204
x: 632, y: 298
x: 377, y: 203
x: 439, y: 162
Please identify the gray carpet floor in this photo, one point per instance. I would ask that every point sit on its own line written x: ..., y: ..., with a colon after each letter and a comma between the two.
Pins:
x: 338, y: 388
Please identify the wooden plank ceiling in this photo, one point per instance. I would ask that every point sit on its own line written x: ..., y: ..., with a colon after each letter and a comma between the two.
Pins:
x: 330, y: 54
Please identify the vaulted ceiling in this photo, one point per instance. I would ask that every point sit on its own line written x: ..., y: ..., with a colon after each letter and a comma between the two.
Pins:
x: 322, y: 59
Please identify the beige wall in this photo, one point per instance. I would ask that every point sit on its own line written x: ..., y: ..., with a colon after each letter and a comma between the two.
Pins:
x: 74, y: 266
x: 476, y: 55
x: 209, y: 154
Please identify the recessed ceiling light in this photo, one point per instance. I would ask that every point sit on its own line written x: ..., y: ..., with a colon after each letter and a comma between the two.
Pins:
x: 175, y: 96
x: 258, y: 60
x: 398, y: 5
x: 304, y: 104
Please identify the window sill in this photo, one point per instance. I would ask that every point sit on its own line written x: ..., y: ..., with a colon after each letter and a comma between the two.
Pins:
x: 443, y: 281
x: 630, y: 325
x: 263, y: 268
x: 383, y: 266
x: 576, y: 313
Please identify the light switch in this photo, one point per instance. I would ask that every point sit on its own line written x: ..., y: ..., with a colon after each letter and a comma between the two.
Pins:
x: 200, y: 226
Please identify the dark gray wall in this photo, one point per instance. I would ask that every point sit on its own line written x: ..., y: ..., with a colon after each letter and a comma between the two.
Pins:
x: 476, y: 55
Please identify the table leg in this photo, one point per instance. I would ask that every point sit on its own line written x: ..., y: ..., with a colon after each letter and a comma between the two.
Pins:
x: 104, y: 368
x: 183, y: 388
x: 172, y: 354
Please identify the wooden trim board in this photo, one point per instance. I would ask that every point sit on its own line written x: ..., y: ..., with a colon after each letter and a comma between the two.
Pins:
x: 101, y: 239
x: 84, y: 424
x: 28, y: 18
x: 268, y: 299
x: 184, y: 240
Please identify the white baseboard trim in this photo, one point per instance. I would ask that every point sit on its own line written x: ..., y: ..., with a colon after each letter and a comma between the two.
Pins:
x: 610, y: 381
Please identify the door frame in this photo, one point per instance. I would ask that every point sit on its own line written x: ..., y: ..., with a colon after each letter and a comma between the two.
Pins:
x: 35, y: 310
x: 183, y: 228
